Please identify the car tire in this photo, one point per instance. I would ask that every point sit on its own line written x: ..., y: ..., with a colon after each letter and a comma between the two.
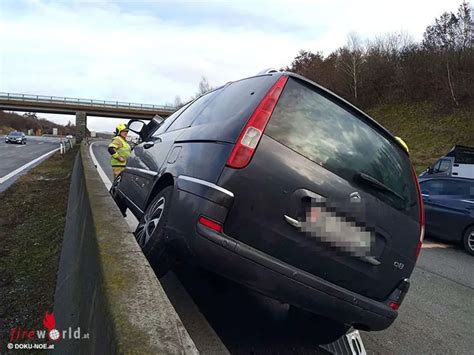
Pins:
x: 117, y: 197
x: 468, y: 240
x: 150, y: 233
x: 323, y: 330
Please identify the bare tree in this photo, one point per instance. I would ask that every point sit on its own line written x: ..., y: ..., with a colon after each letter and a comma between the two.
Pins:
x: 204, y: 86
x: 451, y: 36
x: 350, y: 60
x: 177, y: 101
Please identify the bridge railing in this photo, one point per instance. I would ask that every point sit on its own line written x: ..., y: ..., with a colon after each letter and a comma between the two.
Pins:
x: 71, y: 100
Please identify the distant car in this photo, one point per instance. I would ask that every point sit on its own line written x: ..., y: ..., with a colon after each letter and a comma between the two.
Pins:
x: 280, y: 185
x: 459, y: 162
x: 69, y: 136
x: 449, y: 209
x: 16, y: 137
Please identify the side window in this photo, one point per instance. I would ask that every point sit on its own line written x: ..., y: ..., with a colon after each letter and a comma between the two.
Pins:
x: 433, y: 187
x: 460, y: 188
x: 444, y: 165
x: 451, y: 188
x: 436, y: 167
x: 188, y: 116
x: 164, y: 126
x: 236, y: 100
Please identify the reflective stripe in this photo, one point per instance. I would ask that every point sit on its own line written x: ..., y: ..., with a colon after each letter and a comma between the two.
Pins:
x: 206, y: 183
x: 122, y: 149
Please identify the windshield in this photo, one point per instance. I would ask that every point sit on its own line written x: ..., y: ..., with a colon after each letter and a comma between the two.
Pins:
x: 341, y: 142
x: 15, y: 134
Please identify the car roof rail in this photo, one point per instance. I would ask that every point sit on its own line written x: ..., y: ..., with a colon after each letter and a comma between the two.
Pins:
x: 268, y: 71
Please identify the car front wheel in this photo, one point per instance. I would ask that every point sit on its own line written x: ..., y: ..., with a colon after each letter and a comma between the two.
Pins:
x: 150, y: 232
x: 468, y: 240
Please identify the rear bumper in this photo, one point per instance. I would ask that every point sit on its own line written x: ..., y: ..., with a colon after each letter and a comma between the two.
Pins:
x: 286, y: 283
x: 259, y: 271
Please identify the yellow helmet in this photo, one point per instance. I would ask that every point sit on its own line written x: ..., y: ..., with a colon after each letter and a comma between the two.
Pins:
x: 402, y: 142
x: 120, y: 127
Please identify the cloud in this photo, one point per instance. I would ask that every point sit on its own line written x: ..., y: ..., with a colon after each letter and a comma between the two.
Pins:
x: 142, y: 51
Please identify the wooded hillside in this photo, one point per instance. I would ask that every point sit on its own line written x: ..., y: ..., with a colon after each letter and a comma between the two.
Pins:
x: 394, y: 69
x: 11, y: 121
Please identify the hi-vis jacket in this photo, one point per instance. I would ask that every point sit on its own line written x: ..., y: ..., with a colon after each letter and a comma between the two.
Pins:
x: 122, y: 149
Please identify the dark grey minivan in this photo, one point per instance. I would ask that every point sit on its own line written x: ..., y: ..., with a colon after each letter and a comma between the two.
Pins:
x: 284, y: 187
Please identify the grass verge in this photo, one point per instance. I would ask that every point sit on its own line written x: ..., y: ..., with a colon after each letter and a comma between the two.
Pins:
x: 32, y: 219
x: 428, y: 133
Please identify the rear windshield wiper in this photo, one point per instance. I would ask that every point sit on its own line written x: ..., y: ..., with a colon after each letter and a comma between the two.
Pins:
x: 378, y: 184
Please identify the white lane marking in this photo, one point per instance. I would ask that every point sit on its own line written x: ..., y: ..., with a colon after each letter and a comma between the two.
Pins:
x: 21, y: 168
x: 102, y: 174
x: 130, y: 219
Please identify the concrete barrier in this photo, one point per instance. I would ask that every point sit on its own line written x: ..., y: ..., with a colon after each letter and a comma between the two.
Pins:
x: 105, y: 285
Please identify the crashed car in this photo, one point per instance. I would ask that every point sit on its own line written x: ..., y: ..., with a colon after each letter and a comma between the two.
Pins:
x: 282, y: 186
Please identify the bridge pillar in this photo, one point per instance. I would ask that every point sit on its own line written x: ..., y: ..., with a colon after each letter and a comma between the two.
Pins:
x: 81, y: 126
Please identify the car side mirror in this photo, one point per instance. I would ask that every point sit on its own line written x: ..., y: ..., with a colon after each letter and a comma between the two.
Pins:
x: 429, y: 170
x: 135, y: 126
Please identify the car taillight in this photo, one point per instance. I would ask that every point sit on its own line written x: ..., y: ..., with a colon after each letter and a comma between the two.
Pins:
x: 421, y: 214
x: 253, y: 130
x: 395, y: 306
x: 209, y: 223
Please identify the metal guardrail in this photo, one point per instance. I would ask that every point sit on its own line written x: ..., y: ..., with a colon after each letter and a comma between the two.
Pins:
x: 71, y: 100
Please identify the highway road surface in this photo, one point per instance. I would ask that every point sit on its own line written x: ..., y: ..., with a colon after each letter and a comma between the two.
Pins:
x: 17, y: 159
x: 437, y: 316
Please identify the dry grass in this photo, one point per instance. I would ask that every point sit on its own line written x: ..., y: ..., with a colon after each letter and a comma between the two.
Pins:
x: 32, y: 221
x: 429, y: 135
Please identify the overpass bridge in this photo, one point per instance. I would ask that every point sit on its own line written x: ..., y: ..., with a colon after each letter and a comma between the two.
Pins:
x: 81, y: 108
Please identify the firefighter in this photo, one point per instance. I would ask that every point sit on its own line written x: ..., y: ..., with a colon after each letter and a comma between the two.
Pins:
x: 119, y: 149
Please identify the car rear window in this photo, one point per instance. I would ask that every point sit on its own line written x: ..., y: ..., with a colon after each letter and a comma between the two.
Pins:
x: 319, y: 129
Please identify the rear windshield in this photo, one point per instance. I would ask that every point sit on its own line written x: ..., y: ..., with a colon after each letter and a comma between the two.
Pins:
x: 319, y: 129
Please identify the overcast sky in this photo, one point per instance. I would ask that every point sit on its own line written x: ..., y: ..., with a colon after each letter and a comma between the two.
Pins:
x: 151, y: 51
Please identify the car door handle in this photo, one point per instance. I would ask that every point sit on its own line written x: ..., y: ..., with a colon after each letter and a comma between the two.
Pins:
x: 148, y: 145
x: 292, y: 222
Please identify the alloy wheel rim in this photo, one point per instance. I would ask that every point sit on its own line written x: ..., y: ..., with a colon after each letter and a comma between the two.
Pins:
x: 470, y: 241
x: 150, y: 222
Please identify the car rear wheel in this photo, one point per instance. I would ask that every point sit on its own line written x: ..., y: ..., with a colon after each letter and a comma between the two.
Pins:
x: 150, y: 232
x: 468, y: 240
